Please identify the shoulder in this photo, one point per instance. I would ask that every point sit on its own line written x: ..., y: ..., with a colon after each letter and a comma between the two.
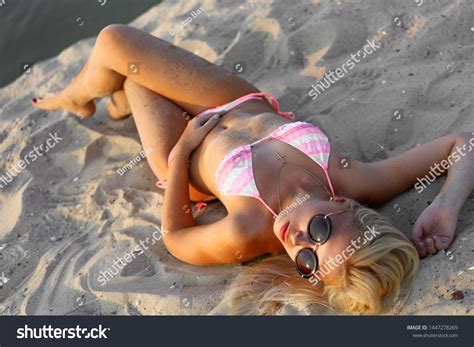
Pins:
x: 252, y: 224
x: 232, y: 239
x: 250, y: 219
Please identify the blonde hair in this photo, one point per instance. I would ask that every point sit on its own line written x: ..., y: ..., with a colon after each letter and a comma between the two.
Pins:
x: 370, y: 283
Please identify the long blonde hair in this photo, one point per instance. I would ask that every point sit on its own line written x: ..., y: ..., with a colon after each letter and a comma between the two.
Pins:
x: 370, y: 284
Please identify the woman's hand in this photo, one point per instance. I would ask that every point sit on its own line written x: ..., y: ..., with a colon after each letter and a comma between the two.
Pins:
x: 434, y: 228
x: 196, y: 131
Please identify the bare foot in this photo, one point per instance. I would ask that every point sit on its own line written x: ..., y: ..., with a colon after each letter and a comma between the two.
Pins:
x: 60, y: 102
x: 118, y: 107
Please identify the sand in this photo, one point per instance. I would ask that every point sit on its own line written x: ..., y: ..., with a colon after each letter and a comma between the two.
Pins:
x: 68, y: 215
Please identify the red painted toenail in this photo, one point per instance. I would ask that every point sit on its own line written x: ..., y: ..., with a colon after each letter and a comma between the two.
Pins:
x: 34, y: 100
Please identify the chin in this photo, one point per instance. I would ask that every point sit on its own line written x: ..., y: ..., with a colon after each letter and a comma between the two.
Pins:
x: 278, y: 223
x: 275, y: 226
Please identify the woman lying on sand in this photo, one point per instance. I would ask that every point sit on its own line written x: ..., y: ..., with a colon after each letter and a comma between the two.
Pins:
x: 215, y: 135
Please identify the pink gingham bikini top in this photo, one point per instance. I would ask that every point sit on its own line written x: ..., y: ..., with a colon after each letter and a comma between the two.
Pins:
x: 235, y: 175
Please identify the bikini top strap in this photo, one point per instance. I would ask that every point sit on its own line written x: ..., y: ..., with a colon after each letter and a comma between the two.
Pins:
x: 274, y: 102
x: 267, y: 206
x: 270, y: 98
x: 330, y: 183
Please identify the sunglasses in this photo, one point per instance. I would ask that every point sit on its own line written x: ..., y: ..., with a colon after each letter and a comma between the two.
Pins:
x: 319, y: 231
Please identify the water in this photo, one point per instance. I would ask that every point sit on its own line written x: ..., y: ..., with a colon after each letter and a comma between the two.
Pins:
x: 32, y: 31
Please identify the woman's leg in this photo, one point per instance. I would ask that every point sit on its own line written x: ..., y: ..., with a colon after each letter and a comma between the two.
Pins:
x: 121, y: 51
x: 118, y: 106
x: 160, y: 123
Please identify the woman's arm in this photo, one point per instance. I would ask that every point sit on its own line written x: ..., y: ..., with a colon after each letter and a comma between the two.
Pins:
x: 177, y: 204
x: 460, y: 181
x: 226, y: 241
x: 230, y: 240
x: 435, y: 227
x: 452, y: 154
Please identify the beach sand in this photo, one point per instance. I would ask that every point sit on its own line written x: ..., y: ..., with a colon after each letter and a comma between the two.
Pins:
x: 68, y: 215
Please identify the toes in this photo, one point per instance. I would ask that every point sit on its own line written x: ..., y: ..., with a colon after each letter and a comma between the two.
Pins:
x: 115, y: 112
x: 46, y: 104
x: 36, y: 102
x: 55, y: 103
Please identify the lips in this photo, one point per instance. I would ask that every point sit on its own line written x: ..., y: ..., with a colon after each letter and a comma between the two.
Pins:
x: 284, y: 231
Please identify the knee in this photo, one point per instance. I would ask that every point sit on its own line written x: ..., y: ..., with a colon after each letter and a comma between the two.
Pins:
x: 112, y: 34
x: 133, y: 90
x: 129, y: 84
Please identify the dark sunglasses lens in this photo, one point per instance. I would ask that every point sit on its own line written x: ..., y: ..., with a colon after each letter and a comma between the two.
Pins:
x: 306, y: 262
x: 319, y: 229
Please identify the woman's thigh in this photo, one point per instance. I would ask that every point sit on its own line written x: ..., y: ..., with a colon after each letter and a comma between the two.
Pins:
x: 160, y: 124
x: 184, y: 78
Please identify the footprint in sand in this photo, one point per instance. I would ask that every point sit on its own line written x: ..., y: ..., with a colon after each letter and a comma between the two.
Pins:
x: 262, y: 44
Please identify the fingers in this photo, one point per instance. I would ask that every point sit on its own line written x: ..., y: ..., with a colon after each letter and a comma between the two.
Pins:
x: 431, y: 245
x: 205, y: 117
x: 438, y: 243
x: 211, y: 122
x: 416, y: 238
x: 421, y: 248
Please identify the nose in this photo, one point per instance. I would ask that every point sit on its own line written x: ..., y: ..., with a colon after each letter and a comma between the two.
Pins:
x: 300, y: 238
